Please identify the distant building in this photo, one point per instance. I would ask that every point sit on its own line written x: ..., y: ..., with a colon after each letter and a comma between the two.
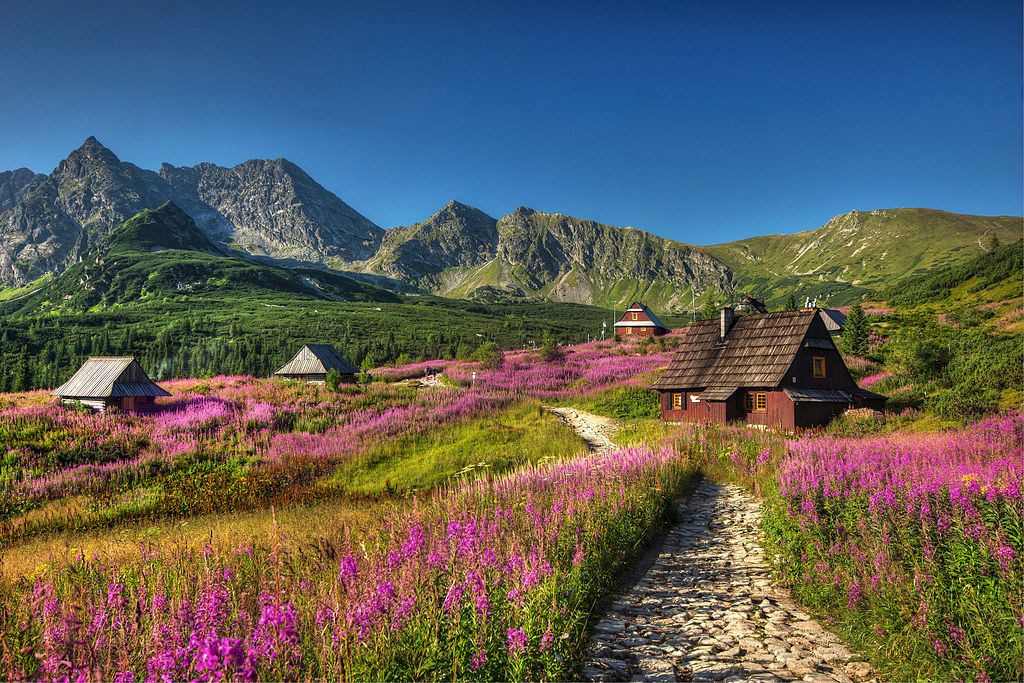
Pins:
x: 105, y: 382
x: 780, y: 370
x: 314, y: 361
x: 835, y: 321
x: 749, y: 304
x: 639, y: 320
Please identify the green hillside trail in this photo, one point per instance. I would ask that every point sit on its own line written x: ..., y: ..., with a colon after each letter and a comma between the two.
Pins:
x: 702, y: 606
x: 595, y: 430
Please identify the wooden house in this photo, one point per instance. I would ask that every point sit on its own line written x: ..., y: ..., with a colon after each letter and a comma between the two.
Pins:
x: 639, y: 321
x: 780, y: 370
x: 105, y: 382
x: 313, y: 362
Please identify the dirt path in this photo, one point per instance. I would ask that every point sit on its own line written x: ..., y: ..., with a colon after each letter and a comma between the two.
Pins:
x: 705, y: 609
x: 593, y: 429
x: 432, y: 381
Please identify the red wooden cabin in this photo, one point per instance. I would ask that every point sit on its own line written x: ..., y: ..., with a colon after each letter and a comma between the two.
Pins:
x: 781, y: 370
x: 639, y: 321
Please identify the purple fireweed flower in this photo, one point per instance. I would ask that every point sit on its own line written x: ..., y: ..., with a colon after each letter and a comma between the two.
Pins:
x: 516, y: 640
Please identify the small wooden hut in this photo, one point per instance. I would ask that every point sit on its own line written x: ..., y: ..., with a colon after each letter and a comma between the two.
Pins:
x: 639, y: 320
x: 778, y: 370
x: 105, y: 382
x: 313, y: 362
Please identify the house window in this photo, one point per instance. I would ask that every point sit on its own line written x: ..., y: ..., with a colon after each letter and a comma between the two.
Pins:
x: 760, y: 401
x: 748, y: 401
x: 636, y: 316
x: 819, y: 367
x: 677, y: 402
x: 629, y: 330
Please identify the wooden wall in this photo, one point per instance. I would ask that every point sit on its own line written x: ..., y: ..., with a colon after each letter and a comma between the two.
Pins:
x: 778, y: 413
x: 705, y: 411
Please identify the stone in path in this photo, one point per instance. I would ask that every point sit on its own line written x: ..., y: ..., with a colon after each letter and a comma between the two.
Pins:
x: 593, y: 429
x: 706, y: 609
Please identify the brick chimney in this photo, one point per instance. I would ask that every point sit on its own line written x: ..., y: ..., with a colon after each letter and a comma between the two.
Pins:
x: 727, y: 318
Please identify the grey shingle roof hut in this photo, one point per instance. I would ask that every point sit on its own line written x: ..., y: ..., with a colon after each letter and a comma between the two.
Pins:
x: 835, y: 321
x: 105, y: 382
x: 314, y: 361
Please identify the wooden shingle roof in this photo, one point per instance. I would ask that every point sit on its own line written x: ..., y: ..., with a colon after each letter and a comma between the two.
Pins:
x: 757, y: 352
x: 317, y: 359
x: 109, y: 377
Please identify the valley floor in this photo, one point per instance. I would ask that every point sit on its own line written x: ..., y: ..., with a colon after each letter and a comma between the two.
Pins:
x: 450, y: 528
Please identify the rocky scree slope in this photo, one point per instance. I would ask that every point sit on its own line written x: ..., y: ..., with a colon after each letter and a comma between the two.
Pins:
x: 462, y: 252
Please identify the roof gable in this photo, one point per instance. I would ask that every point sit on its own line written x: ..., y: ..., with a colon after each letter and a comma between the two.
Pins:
x: 757, y: 351
x: 317, y: 359
x: 637, y: 307
x: 109, y: 377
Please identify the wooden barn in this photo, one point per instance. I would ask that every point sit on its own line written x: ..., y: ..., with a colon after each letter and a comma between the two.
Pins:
x: 639, y: 320
x: 314, y: 361
x: 780, y: 370
x: 105, y: 382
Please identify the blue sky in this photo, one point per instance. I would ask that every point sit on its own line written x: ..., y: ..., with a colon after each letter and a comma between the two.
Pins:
x: 702, y: 121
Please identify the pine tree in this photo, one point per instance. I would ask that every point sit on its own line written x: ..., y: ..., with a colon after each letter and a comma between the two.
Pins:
x: 855, y: 336
x: 791, y: 303
x: 709, y: 311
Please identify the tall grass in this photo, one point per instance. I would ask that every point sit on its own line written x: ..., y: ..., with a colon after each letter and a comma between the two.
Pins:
x: 911, y: 544
x: 490, y: 579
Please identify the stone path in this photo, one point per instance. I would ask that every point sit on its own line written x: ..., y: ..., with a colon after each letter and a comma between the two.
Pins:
x: 705, y: 609
x: 432, y: 381
x: 593, y: 429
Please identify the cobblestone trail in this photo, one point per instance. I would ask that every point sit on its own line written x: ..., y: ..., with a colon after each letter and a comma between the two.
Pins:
x: 593, y: 429
x: 706, y: 609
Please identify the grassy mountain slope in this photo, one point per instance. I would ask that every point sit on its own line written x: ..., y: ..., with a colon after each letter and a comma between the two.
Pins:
x: 857, y: 252
x: 160, y: 255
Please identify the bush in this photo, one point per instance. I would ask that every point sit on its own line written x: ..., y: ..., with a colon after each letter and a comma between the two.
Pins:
x: 963, y: 402
x: 550, y: 351
x: 489, y: 356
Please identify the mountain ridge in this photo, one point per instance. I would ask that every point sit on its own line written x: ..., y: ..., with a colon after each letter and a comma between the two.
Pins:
x: 273, y: 210
x: 261, y: 207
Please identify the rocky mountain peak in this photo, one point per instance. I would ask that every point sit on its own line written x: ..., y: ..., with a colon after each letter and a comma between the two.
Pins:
x: 90, y: 156
x: 264, y: 207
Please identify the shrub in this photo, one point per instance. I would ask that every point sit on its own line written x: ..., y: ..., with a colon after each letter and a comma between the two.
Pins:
x: 550, y: 351
x: 489, y: 356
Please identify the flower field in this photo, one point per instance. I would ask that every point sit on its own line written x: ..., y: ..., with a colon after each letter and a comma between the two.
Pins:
x: 491, y: 579
x: 911, y: 543
x: 919, y: 537
x: 230, y: 437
